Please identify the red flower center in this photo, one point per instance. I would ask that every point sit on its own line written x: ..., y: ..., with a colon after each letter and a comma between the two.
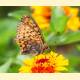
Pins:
x: 41, y: 69
x: 42, y: 61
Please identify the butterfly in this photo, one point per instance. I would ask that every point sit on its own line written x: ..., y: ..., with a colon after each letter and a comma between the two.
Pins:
x: 29, y: 37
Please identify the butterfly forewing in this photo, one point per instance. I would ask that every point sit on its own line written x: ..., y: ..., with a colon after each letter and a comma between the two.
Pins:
x: 29, y: 37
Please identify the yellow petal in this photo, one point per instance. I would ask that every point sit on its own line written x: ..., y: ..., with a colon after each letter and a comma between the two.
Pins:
x: 24, y: 69
x: 42, y: 10
x: 73, y: 23
x: 71, y: 11
x: 61, y: 69
x: 41, y: 56
x: 28, y: 61
x: 74, y: 11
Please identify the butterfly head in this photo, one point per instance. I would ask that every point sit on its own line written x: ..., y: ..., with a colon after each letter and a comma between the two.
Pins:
x: 26, y: 19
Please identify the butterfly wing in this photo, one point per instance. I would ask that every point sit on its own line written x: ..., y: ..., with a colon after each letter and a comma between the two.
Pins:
x: 29, y: 36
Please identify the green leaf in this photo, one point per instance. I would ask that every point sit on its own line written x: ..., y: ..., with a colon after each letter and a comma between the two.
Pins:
x: 19, y: 13
x: 67, y: 38
x: 58, y: 20
x: 14, y: 68
x: 73, y: 62
x: 4, y: 10
x: 7, y: 30
x: 7, y: 34
x: 5, y: 66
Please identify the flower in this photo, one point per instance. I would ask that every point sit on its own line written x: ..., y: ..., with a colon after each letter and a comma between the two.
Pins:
x: 71, y: 11
x: 42, y: 15
x: 45, y: 63
x: 73, y: 23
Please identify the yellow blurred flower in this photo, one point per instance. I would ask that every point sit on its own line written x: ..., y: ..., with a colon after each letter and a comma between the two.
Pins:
x: 45, y: 63
x: 73, y: 23
x: 42, y: 15
x: 71, y: 11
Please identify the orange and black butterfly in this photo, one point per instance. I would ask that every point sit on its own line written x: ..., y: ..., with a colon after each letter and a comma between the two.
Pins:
x: 29, y: 37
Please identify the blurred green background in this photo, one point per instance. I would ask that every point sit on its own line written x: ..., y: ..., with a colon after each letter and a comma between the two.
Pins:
x: 66, y: 43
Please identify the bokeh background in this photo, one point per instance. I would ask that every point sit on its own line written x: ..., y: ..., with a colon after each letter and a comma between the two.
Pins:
x: 60, y: 27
